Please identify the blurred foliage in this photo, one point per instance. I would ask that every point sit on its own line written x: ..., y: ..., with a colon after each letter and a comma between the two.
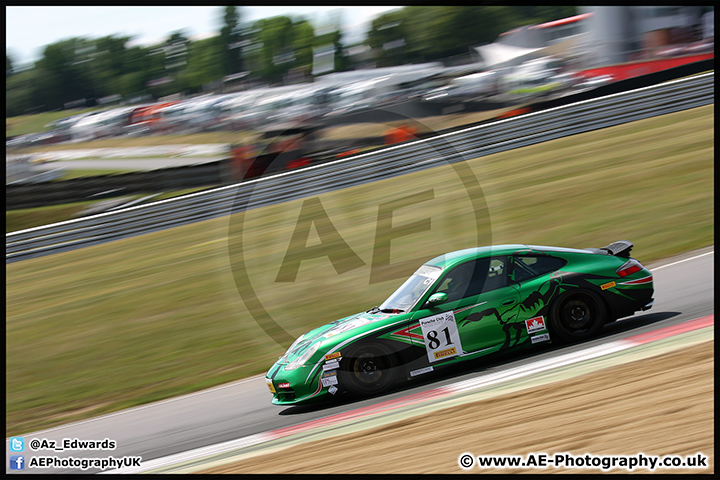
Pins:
x: 82, y: 72
x: 423, y: 34
x: 231, y: 35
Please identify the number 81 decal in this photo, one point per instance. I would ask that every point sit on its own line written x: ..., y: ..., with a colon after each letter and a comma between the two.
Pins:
x: 441, y: 336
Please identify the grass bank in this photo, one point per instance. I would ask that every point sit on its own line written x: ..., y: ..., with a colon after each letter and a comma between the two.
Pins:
x: 111, y: 326
x: 36, y: 123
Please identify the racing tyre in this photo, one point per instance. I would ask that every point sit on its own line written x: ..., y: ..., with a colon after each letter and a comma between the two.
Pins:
x: 368, y: 369
x: 577, y: 316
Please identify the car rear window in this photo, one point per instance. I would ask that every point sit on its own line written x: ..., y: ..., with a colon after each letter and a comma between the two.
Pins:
x: 532, y: 266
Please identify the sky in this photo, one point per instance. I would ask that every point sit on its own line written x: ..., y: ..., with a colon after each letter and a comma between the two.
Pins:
x: 30, y: 29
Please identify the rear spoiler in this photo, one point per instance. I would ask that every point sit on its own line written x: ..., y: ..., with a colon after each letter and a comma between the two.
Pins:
x: 621, y: 248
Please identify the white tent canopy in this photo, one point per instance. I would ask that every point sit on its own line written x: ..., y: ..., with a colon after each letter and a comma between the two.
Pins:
x: 498, y: 55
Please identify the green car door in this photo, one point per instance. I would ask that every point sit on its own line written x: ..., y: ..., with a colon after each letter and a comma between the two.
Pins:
x: 478, y: 314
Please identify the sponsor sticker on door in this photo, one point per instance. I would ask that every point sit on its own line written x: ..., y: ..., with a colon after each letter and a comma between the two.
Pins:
x: 535, y: 325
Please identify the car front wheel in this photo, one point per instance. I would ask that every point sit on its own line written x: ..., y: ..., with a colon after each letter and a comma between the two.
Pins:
x: 368, y: 370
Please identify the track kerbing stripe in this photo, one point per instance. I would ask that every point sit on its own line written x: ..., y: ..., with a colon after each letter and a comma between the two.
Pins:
x: 672, y: 330
x: 198, y: 455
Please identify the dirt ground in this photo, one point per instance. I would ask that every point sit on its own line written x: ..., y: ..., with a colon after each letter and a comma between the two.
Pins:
x: 658, y: 406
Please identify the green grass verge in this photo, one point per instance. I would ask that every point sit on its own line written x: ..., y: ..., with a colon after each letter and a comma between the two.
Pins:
x: 24, y: 124
x: 34, y: 217
x: 134, y: 321
x: 540, y: 88
x: 79, y: 173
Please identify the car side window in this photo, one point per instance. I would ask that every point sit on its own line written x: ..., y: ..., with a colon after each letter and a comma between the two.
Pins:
x: 472, y: 278
x: 497, y: 274
x: 530, y: 266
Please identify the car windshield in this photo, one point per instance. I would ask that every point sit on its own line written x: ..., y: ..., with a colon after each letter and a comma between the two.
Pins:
x: 405, y: 297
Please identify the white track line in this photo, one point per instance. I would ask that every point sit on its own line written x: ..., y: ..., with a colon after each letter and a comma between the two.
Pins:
x: 684, y: 260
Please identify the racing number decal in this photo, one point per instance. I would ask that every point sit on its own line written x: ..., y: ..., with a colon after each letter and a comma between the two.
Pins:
x: 441, y: 336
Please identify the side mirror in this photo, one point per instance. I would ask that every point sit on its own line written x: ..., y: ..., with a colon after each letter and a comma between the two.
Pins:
x: 437, y: 299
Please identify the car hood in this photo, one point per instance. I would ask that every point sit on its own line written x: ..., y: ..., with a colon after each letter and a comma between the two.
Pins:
x: 331, y: 332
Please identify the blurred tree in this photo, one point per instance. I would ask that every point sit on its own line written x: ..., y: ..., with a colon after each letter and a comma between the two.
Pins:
x: 171, y: 60
x: 64, y: 74
x: 341, y: 61
x: 389, y: 35
x: 277, y: 53
x: 134, y: 72
x: 176, y: 51
x: 533, y: 14
x: 232, y: 41
x: 205, y: 63
x: 20, y: 92
x: 303, y: 39
x: 8, y: 66
x: 105, y: 66
x: 131, y: 84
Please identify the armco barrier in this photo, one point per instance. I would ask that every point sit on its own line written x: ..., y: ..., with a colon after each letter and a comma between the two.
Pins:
x: 457, y: 146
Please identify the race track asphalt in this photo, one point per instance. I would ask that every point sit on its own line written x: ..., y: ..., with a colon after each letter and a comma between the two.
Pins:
x: 683, y: 291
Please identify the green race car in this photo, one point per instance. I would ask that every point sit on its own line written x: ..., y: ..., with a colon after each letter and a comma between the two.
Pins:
x: 460, y: 306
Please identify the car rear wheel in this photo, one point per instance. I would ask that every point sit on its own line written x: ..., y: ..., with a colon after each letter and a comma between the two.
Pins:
x: 368, y: 369
x: 577, y: 316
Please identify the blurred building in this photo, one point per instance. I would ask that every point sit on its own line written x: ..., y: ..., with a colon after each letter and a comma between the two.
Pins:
x: 609, y: 36
x: 618, y: 34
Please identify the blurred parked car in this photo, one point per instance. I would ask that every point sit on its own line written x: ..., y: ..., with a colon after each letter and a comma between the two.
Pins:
x: 107, y: 123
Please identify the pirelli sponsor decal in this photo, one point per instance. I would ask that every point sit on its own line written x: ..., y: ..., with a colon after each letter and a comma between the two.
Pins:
x: 448, y: 352
x: 608, y: 285
x: 330, y: 356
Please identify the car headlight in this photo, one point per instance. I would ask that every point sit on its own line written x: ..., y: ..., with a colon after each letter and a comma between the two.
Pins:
x: 294, y: 344
x: 300, y: 361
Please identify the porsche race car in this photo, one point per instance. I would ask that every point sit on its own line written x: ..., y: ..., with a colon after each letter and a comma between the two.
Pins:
x: 461, y: 306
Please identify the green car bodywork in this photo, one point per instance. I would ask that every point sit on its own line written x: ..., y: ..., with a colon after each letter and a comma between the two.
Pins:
x: 460, y: 306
